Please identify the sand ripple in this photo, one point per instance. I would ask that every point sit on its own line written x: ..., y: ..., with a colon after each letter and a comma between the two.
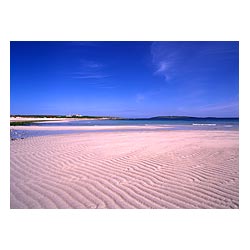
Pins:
x: 159, y: 169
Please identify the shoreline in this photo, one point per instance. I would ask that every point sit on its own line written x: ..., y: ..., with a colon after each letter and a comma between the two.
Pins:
x: 22, y: 132
x: 92, y: 127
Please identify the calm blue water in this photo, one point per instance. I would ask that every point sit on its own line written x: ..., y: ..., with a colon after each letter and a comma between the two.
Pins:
x: 192, y: 121
x: 176, y: 124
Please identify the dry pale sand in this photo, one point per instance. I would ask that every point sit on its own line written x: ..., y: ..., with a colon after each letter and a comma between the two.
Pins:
x: 48, y: 119
x: 149, y: 169
x: 25, y: 119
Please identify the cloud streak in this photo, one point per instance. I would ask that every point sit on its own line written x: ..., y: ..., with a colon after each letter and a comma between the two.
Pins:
x: 90, y: 70
x: 90, y: 76
x: 88, y: 65
x: 164, y: 59
x: 173, y: 59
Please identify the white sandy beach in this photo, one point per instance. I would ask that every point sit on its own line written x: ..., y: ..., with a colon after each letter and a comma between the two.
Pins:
x: 148, y: 169
x: 47, y: 119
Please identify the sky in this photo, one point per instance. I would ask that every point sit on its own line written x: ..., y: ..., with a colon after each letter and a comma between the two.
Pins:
x: 125, y: 79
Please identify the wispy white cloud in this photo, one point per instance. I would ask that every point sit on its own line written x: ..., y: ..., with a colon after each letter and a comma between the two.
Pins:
x: 164, y: 60
x: 90, y: 76
x: 90, y: 65
x: 163, y: 66
x: 90, y: 70
x: 165, y: 69
x: 171, y: 59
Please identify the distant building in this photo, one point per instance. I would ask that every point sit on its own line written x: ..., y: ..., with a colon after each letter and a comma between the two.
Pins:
x: 74, y: 115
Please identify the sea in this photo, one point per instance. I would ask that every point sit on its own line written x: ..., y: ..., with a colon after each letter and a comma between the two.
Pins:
x: 161, y: 124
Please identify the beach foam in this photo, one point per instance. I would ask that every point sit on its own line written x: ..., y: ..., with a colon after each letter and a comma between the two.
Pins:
x: 204, y: 124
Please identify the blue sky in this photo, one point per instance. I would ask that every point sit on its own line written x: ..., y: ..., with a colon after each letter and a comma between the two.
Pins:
x: 125, y: 79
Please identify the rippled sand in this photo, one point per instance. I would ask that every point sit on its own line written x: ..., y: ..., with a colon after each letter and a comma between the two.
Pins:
x: 148, y: 169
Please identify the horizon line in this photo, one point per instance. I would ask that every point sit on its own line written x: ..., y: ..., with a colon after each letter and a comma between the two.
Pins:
x: 79, y: 115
